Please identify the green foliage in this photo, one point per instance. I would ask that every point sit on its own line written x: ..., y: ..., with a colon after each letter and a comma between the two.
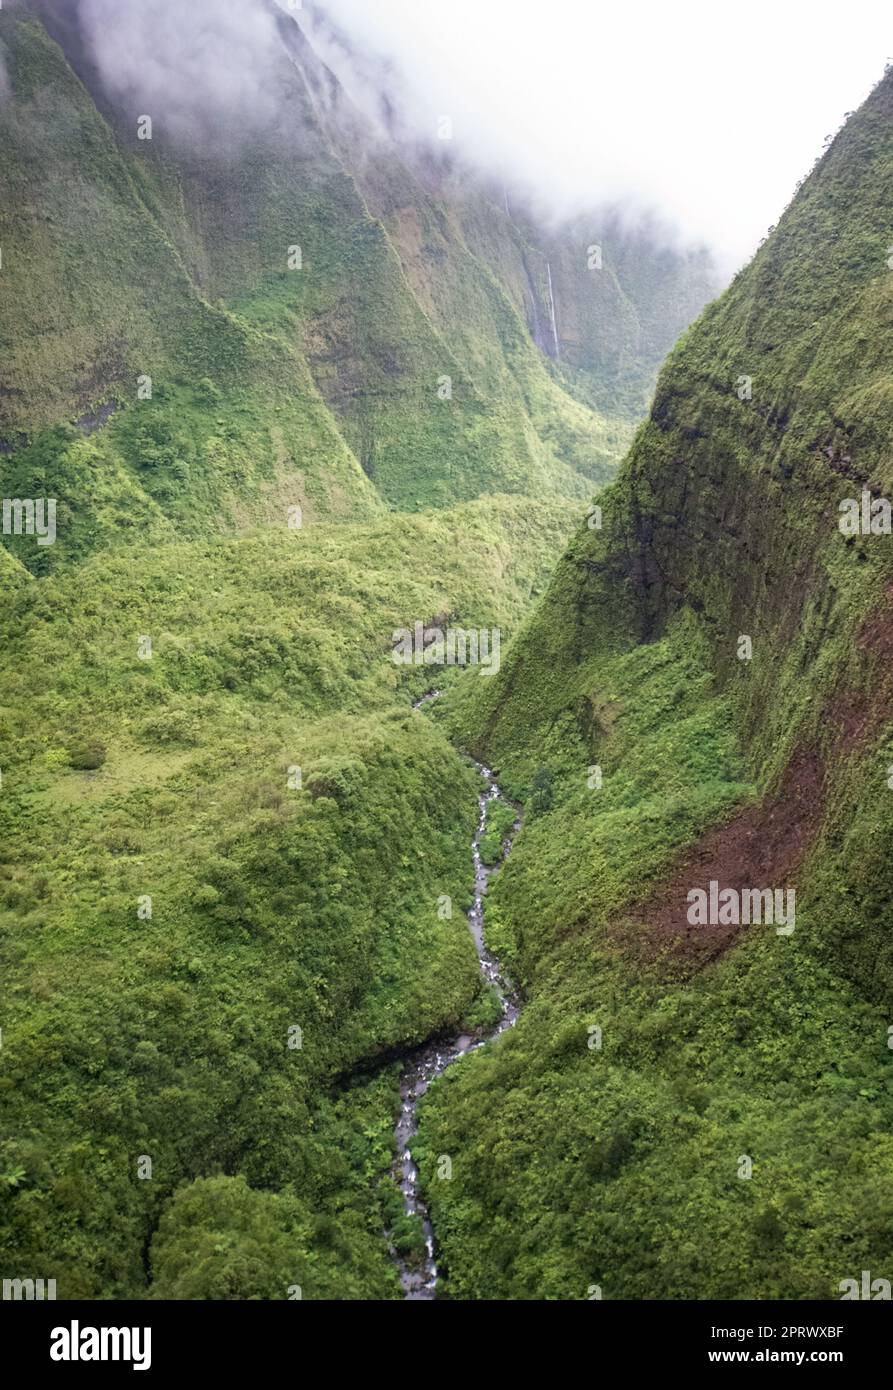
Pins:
x: 543, y: 797
x: 87, y: 758
x: 485, y: 1012
x: 124, y: 263
x: 500, y: 819
x: 209, y: 961
x: 626, y: 720
x: 273, y: 906
x: 571, y: 1159
x: 408, y: 1237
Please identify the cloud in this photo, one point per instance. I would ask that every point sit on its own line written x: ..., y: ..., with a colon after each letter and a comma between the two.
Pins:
x: 708, y: 113
x: 701, y: 115
x: 204, y: 70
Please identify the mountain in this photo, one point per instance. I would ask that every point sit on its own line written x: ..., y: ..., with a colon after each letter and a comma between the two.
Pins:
x: 691, y: 1107
x: 284, y: 371
x: 322, y: 316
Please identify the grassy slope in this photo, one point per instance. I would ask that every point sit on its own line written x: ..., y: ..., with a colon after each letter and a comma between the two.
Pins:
x: 93, y: 296
x: 126, y: 257
x: 619, y: 1166
x: 271, y: 906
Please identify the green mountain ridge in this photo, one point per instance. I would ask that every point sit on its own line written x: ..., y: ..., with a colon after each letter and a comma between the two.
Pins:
x: 127, y: 258
x: 730, y: 1135
x: 227, y: 837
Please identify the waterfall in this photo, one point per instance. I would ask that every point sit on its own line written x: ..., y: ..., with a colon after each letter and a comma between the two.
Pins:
x: 552, y: 311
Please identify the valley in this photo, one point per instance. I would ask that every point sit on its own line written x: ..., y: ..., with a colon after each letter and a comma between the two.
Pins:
x: 445, y: 706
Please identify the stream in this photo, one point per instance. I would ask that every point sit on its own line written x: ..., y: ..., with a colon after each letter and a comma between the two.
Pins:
x: 426, y: 1063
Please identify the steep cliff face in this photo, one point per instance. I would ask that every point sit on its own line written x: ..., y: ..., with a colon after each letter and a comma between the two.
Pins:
x: 704, y: 697
x: 221, y: 821
x: 773, y: 409
x: 622, y: 289
x: 364, y: 311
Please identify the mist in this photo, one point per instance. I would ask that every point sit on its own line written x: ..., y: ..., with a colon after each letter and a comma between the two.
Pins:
x: 202, y: 69
x: 692, y: 118
x: 707, y: 114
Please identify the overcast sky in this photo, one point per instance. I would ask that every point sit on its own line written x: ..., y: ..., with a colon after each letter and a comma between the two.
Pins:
x: 709, y: 111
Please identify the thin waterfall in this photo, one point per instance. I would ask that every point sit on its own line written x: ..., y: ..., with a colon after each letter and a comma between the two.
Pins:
x: 552, y: 312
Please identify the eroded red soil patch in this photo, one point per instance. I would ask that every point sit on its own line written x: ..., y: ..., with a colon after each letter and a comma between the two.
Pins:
x: 764, y: 845
x: 760, y: 847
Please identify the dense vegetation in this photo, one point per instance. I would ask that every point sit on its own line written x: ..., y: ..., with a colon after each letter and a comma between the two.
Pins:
x: 225, y: 834
x: 262, y: 779
x: 224, y: 854
x: 679, y: 1116
x: 393, y: 347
